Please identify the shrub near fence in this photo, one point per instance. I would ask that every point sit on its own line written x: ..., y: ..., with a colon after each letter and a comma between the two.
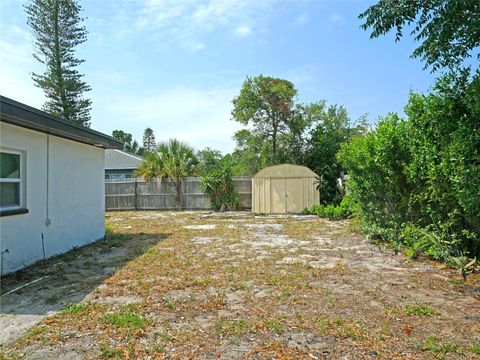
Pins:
x: 137, y: 194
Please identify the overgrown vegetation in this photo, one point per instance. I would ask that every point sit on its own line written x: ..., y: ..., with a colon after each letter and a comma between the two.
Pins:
x: 417, y: 180
x: 218, y: 185
x: 332, y: 212
x: 173, y: 159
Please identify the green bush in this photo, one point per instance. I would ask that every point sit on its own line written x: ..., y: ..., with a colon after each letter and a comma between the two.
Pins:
x: 417, y: 181
x: 217, y: 183
x: 332, y: 212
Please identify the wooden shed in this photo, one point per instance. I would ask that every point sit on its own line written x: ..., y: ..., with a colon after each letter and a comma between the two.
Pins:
x: 284, y: 188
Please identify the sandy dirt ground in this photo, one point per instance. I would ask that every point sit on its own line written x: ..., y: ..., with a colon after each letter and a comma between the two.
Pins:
x: 204, y: 285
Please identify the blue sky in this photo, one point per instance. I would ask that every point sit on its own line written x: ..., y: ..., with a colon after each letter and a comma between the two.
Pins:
x: 175, y: 66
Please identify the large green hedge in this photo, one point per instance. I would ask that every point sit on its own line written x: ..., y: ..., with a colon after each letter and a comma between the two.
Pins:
x: 417, y: 181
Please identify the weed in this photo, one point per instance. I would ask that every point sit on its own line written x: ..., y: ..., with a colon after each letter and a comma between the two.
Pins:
x: 230, y: 327
x: 169, y: 304
x: 126, y: 318
x: 389, y: 310
x: 339, y: 327
x: 475, y: 348
x: 419, y: 310
x: 34, y: 333
x: 165, y: 336
x: 439, y: 349
x: 274, y: 326
x: 151, y: 250
x: 107, y: 352
x: 75, y: 309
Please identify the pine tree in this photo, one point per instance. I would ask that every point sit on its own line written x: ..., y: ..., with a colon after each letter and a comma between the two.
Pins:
x: 149, y: 143
x: 56, y: 25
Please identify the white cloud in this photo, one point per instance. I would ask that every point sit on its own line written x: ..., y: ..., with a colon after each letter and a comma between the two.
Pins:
x: 183, y: 23
x: 337, y: 18
x: 302, y: 19
x: 200, y: 117
x: 243, y: 31
x: 196, y: 46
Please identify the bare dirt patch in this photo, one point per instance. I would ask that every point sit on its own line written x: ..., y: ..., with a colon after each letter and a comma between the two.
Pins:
x: 204, y: 285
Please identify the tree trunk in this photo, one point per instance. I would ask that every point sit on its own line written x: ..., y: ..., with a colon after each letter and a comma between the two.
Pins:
x: 274, y: 144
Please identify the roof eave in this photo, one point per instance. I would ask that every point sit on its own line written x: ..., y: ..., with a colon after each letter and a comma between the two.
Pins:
x: 15, y: 113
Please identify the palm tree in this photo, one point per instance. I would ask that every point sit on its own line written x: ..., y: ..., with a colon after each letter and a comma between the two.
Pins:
x: 133, y: 147
x: 174, y: 159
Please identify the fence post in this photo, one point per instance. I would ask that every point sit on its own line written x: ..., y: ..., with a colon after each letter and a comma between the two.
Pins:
x: 135, y: 193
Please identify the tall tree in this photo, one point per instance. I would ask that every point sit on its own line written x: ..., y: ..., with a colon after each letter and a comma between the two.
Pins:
x: 129, y: 145
x: 174, y: 160
x: 149, y: 143
x: 208, y: 159
x: 58, y: 30
x: 333, y: 129
x: 251, y: 153
x: 123, y: 136
x: 449, y: 31
x: 268, y: 104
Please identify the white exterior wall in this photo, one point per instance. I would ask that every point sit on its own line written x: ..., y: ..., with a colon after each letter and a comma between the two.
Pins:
x: 75, y: 203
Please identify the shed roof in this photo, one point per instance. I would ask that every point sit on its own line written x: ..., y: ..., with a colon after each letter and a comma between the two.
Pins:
x: 19, y: 114
x: 285, y: 171
x: 118, y: 160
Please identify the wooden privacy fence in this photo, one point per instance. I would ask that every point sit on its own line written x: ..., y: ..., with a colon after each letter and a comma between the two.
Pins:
x: 137, y: 194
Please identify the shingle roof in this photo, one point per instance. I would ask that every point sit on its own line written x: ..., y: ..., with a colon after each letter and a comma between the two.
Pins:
x: 116, y: 159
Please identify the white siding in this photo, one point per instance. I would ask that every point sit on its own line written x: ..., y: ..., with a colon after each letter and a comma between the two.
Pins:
x: 75, y: 201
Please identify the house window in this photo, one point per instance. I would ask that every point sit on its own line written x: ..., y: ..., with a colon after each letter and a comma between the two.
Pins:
x: 10, y: 180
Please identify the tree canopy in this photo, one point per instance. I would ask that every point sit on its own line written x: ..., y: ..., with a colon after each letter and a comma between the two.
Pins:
x: 129, y: 145
x: 268, y: 104
x: 449, y: 31
x: 149, y: 143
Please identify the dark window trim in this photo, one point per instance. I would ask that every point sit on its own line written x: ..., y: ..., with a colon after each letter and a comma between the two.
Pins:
x: 13, y: 212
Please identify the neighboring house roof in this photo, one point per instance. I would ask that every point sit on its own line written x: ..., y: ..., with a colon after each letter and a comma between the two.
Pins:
x: 16, y: 113
x: 117, y: 160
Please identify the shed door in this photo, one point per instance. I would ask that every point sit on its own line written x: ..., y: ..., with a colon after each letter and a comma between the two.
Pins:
x: 294, y: 195
x: 278, y: 196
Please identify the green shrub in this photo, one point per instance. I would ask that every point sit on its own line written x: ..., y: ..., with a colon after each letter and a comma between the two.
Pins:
x: 332, y: 212
x: 416, y: 182
x: 218, y: 185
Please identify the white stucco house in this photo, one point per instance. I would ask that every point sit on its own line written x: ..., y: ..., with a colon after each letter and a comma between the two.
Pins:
x: 51, y: 185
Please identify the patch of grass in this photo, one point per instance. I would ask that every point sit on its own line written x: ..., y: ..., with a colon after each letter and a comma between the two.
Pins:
x: 165, y: 336
x: 169, y: 303
x: 228, y: 327
x: 107, y: 352
x: 35, y: 333
x: 389, y: 310
x: 419, y: 310
x: 340, y: 327
x: 274, y: 326
x: 439, y: 349
x: 151, y: 250
x: 475, y: 348
x: 75, y: 309
x: 127, y: 317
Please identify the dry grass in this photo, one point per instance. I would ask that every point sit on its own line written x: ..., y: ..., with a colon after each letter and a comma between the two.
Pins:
x: 255, y: 287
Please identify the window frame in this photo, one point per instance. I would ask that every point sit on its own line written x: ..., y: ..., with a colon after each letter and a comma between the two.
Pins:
x: 20, y: 181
